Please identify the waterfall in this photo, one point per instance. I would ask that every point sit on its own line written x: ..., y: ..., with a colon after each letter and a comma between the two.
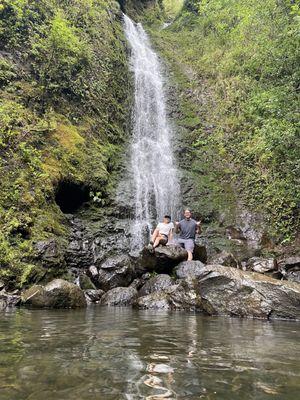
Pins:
x: 153, y: 168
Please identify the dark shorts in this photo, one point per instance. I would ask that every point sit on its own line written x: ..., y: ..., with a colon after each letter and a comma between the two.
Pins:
x: 188, y: 244
x: 164, y: 240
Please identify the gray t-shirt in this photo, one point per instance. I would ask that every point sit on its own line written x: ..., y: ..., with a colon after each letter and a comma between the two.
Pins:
x: 187, y: 229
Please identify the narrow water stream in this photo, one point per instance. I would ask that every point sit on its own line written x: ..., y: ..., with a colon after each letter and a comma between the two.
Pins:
x: 153, y: 169
x: 119, y: 353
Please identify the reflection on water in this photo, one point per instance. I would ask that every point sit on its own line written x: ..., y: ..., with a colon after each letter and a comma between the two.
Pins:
x: 120, y: 353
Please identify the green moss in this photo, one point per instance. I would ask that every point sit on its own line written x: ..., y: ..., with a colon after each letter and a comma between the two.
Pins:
x: 237, y: 68
x: 64, y: 86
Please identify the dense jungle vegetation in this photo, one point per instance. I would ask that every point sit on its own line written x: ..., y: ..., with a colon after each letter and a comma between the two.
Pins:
x: 63, y: 114
x: 238, y: 61
x: 65, y: 101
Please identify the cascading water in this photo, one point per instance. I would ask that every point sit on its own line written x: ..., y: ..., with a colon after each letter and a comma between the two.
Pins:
x: 154, y: 173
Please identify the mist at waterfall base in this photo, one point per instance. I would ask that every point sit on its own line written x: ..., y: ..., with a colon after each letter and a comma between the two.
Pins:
x: 152, y: 166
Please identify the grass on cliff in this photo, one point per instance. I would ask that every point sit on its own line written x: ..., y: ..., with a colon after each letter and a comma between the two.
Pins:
x: 238, y: 64
x: 63, y: 114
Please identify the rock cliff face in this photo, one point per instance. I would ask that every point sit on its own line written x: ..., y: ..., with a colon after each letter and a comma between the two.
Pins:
x: 65, y: 104
x: 65, y: 206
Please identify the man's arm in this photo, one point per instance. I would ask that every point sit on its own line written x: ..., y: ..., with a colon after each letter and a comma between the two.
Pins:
x: 198, y: 228
x: 170, y: 238
x: 177, y: 227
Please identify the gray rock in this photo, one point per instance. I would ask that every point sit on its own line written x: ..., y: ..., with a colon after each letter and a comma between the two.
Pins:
x: 56, y: 294
x: 137, y: 283
x: 170, y: 253
x: 229, y: 291
x: 85, y: 283
x: 93, y: 295
x: 289, y: 267
x: 92, y: 271
x: 114, y: 272
x: 3, y: 304
x: 235, y: 233
x: 10, y: 299
x: 50, y: 253
x: 200, y: 252
x: 121, y: 296
x: 191, y: 269
x: 175, y: 297
x: 261, y: 265
x: 156, y: 284
x: 226, y: 259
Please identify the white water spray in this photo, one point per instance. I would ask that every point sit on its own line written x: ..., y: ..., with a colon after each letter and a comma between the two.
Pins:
x: 155, y: 177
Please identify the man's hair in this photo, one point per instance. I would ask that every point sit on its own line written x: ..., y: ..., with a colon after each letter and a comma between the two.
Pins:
x: 187, y: 209
x: 167, y: 216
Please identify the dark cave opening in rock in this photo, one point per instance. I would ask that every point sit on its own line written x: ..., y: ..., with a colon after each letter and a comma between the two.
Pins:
x: 70, y: 196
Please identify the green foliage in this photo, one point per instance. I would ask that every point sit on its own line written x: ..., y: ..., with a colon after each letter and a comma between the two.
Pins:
x: 64, y: 89
x: 241, y: 61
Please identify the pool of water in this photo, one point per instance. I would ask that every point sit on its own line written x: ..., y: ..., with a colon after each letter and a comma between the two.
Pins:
x: 120, y: 353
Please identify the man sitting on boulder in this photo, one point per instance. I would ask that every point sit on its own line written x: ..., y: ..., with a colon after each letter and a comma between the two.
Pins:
x: 187, y: 228
x: 163, y: 233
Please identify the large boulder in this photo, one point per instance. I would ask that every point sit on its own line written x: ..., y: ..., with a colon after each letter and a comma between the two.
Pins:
x: 156, y: 284
x: 114, y: 272
x: 176, y: 297
x: 189, y: 269
x: 56, y: 294
x: 229, y: 291
x: 121, y: 296
x: 162, y: 259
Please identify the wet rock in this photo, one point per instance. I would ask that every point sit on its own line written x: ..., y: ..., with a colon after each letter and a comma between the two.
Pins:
x: 12, y: 300
x: 289, y: 267
x: 121, y: 296
x: 92, y: 271
x: 235, y: 233
x: 85, y: 282
x: 56, y: 294
x: 3, y: 304
x: 156, y: 284
x: 175, y: 297
x: 93, y: 295
x: 171, y: 253
x: 226, y: 259
x: 50, y: 253
x: 229, y: 291
x: 262, y: 265
x: 191, y: 269
x: 114, y: 272
x: 2, y: 284
x: 163, y: 259
x: 200, y: 252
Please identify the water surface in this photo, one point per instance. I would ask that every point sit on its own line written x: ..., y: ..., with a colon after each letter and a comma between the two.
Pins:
x: 120, y: 353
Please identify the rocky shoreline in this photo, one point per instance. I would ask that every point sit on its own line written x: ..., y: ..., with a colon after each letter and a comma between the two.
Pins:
x: 212, y: 288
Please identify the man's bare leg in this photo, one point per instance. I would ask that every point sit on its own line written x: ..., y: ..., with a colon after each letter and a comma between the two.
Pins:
x: 157, y: 241
x: 154, y: 236
x: 190, y: 256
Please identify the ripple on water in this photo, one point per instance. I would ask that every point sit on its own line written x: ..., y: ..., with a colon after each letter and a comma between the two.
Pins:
x: 102, y: 354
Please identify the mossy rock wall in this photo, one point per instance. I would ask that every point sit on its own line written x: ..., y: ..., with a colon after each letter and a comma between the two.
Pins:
x: 235, y: 69
x: 65, y: 104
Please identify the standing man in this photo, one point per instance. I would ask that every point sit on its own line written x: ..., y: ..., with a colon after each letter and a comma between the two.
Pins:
x: 187, y: 228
